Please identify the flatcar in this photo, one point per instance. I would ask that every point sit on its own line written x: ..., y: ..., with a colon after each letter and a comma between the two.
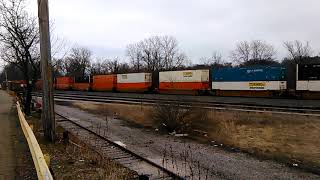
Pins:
x: 256, y: 81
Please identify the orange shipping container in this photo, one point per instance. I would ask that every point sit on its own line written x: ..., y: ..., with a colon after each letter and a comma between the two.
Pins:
x: 104, y: 82
x: 81, y: 86
x: 64, y: 83
x: 39, y: 84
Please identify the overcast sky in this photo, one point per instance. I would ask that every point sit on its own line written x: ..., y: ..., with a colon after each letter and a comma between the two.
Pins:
x: 200, y: 26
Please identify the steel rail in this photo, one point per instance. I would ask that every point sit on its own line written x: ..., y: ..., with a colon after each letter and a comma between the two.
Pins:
x: 151, y: 163
x: 152, y: 99
x: 217, y: 106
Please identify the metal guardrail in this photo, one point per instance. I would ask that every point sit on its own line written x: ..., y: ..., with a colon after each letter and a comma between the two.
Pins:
x: 42, y: 168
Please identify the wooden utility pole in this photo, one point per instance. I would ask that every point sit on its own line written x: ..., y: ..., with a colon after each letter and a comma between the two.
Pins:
x: 48, y: 120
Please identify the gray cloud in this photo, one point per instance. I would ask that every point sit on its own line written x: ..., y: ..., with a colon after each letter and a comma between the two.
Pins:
x: 200, y: 26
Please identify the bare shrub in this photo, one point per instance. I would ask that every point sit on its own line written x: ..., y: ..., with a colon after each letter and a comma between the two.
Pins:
x: 173, y: 117
x: 227, y: 130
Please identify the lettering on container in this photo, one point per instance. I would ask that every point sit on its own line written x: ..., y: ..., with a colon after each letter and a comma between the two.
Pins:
x: 254, y: 70
x: 187, y: 74
x: 124, y: 76
x: 257, y: 85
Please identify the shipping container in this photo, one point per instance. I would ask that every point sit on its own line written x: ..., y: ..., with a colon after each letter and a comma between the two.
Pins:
x: 81, y: 83
x: 134, y: 82
x: 39, y: 84
x: 81, y: 86
x: 308, y: 77
x: 64, y: 83
x: 104, y: 82
x: 238, y: 81
x: 186, y: 80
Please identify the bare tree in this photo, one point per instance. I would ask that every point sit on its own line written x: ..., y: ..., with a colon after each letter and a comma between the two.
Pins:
x: 261, y: 50
x: 242, y: 52
x: 19, y: 41
x: 115, y: 66
x: 156, y: 53
x: 77, y: 63
x: 254, y: 52
x: 135, y: 55
x: 58, y: 67
x: 298, y: 50
x: 214, y: 59
x: 100, y: 66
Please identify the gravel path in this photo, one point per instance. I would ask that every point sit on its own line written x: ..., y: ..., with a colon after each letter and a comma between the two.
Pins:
x: 185, y: 157
x: 7, y: 160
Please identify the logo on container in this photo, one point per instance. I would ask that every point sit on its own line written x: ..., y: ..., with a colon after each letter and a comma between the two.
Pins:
x: 257, y: 85
x: 187, y: 74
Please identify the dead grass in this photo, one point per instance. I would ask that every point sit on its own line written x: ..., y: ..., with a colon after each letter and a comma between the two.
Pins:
x: 136, y: 113
x: 278, y: 136
x: 289, y: 138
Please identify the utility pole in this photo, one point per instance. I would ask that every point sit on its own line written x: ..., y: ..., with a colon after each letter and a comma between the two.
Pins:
x: 48, y: 119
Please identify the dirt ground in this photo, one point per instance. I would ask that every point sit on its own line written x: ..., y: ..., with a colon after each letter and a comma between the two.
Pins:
x: 73, y: 160
x: 202, y: 160
x: 288, y: 138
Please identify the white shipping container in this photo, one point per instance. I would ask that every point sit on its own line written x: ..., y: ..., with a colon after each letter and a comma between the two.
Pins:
x: 134, y: 78
x: 308, y: 85
x: 250, y: 86
x: 184, y: 76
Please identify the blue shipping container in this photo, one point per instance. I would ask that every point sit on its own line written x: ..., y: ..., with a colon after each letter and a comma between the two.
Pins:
x: 257, y: 73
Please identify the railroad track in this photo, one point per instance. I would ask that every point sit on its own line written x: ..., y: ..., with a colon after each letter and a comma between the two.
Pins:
x: 145, y: 168
x: 188, y: 103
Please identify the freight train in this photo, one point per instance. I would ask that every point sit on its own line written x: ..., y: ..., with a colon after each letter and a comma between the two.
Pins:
x: 256, y: 81
x: 15, y: 85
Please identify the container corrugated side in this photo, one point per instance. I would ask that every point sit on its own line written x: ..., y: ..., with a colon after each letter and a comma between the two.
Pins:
x: 249, y: 74
x: 134, y: 82
x: 134, y: 78
x: 187, y: 80
x: 64, y: 83
x: 184, y: 76
x: 104, y: 82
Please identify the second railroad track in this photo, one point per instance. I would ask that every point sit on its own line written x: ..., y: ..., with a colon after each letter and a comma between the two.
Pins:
x: 145, y: 168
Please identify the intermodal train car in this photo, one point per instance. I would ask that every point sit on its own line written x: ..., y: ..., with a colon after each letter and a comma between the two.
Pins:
x: 64, y: 83
x: 134, y: 82
x: 259, y: 81
x: 308, y: 81
x: 104, y: 82
x: 81, y: 83
x: 187, y: 81
x: 39, y: 84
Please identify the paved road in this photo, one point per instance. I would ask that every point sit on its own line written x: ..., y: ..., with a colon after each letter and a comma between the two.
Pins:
x: 7, y: 154
x: 15, y: 158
